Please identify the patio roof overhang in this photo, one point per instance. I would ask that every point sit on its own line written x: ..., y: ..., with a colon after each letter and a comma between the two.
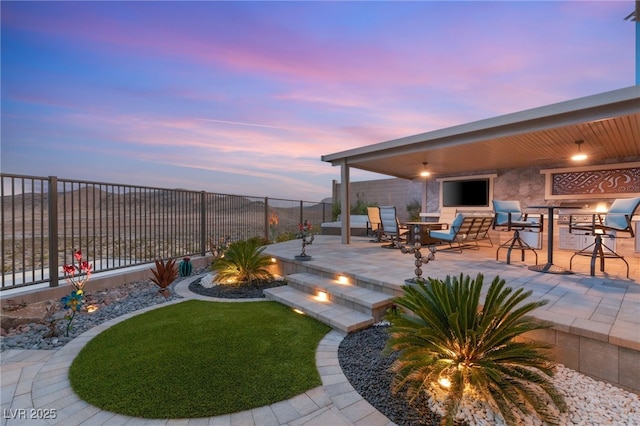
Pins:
x: 609, y: 124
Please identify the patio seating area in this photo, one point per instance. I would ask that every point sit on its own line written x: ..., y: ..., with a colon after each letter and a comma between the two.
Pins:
x: 595, y: 322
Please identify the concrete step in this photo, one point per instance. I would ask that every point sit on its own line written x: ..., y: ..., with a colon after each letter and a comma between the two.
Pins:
x: 336, y: 316
x: 360, y: 299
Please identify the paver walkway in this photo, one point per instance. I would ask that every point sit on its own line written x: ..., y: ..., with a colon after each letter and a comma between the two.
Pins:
x: 35, y: 384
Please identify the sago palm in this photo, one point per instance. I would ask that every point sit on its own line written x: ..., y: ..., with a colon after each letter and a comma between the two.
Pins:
x: 446, y: 333
x: 242, y: 262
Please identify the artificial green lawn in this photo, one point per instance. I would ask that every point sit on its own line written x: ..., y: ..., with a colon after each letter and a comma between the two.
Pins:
x: 199, y: 359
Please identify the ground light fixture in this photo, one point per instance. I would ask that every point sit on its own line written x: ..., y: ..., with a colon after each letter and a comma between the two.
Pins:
x: 444, y: 382
x: 579, y: 156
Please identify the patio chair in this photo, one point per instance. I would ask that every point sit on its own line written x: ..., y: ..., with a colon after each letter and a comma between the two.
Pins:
x: 391, y: 226
x: 374, y: 225
x: 616, y: 220
x: 510, y: 217
x: 463, y: 232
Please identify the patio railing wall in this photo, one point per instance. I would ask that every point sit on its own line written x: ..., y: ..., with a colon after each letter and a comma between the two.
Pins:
x: 44, y: 219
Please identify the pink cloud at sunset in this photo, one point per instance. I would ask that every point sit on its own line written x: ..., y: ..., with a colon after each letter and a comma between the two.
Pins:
x: 245, y: 97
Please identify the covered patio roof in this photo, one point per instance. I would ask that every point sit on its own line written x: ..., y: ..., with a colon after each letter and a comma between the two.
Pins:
x: 608, y: 123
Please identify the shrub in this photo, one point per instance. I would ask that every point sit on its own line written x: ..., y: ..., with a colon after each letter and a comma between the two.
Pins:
x: 360, y: 207
x: 285, y: 236
x: 243, y: 262
x: 164, y: 274
x: 447, y: 334
x: 414, y: 208
x: 259, y: 241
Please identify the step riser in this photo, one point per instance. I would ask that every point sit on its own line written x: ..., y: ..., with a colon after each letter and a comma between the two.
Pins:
x: 285, y: 267
x: 306, y: 288
x: 324, y: 318
x: 346, y: 307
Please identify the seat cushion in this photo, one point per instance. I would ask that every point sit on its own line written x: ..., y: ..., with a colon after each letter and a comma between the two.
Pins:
x: 503, y: 208
x: 445, y: 235
x: 620, y: 209
x: 455, y: 225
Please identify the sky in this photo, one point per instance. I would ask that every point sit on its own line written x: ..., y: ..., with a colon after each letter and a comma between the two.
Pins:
x: 245, y: 97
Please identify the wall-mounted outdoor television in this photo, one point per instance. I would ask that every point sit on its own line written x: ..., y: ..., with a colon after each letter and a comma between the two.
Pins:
x: 465, y: 193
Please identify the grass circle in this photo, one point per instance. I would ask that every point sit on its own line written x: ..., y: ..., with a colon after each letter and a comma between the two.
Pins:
x: 199, y: 359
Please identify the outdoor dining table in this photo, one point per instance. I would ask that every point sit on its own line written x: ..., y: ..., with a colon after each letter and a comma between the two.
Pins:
x: 549, y: 267
x: 423, y: 228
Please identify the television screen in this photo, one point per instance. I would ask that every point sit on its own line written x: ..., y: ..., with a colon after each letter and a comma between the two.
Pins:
x: 465, y: 193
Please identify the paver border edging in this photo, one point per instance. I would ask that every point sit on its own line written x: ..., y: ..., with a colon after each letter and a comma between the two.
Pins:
x: 336, y: 400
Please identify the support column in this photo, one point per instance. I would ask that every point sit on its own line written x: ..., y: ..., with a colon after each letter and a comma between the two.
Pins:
x: 424, y: 200
x: 345, y: 203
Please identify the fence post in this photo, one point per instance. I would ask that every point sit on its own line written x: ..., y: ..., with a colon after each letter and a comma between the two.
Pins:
x: 266, y: 219
x: 301, y: 212
x: 203, y: 223
x: 53, y: 231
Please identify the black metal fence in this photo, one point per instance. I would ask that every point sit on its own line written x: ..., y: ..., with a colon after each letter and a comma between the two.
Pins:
x: 44, y: 219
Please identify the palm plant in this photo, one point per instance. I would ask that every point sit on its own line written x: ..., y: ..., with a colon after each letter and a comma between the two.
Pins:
x: 448, y: 335
x: 242, y: 262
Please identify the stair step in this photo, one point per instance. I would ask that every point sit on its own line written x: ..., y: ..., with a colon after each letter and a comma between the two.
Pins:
x: 332, y: 314
x: 349, y: 295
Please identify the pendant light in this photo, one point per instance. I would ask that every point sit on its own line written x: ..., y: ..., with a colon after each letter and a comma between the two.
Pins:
x: 425, y: 172
x: 579, y: 156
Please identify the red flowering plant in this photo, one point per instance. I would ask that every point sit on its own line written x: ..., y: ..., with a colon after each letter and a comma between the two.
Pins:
x: 77, y: 275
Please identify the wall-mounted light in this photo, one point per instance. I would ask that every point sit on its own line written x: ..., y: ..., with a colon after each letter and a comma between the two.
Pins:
x: 342, y: 279
x: 273, y: 260
x: 579, y: 156
x: 425, y: 172
x: 322, y: 296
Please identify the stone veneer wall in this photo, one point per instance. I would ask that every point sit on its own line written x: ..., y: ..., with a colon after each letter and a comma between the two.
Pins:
x: 524, y: 184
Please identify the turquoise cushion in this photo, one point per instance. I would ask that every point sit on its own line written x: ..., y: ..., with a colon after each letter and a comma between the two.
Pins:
x: 446, y: 235
x: 616, y: 217
x: 455, y: 225
x: 503, y: 208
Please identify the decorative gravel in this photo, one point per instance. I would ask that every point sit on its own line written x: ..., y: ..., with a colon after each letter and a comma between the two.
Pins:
x: 362, y: 362
x: 235, y: 292
x: 590, y: 402
x: 112, y: 303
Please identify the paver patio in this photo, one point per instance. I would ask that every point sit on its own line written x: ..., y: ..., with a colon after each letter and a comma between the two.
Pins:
x: 596, y: 316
